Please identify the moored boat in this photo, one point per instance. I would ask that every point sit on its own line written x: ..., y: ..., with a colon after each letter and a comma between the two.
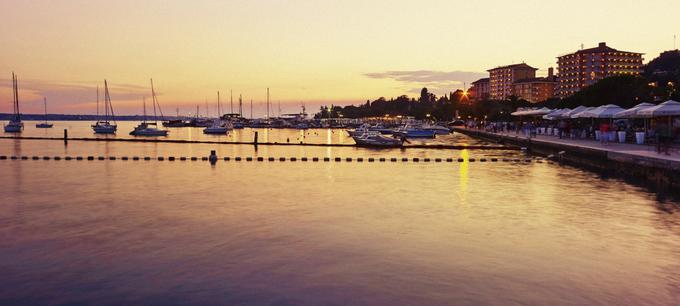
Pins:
x: 15, y: 125
x: 375, y: 139
x: 175, y: 123
x: 414, y: 132
x: 149, y: 128
x: 437, y: 129
x: 104, y: 125
x: 45, y: 124
x: 219, y: 125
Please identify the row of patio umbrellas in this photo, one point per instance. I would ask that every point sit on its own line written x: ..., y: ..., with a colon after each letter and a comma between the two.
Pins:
x: 642, y: 110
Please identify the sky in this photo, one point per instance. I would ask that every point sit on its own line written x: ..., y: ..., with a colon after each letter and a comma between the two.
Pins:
x: 310, y: 52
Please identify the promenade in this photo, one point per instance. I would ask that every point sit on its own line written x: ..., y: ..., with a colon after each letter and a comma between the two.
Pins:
x: 642, y: 151
x: 640, y: 161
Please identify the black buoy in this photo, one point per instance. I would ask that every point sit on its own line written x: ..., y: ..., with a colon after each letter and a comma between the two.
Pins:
x: 213, y: 157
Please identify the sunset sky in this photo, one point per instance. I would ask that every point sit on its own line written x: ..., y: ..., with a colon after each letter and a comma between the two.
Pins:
x: 311, y: 52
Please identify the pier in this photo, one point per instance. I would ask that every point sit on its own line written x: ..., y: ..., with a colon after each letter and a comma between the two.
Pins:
x: 623, y: 159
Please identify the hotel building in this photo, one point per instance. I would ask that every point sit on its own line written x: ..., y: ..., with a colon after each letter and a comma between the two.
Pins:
x: 501, y: 79
x: 479, y: 90
x: 536, y: 90
x: 586, y: 67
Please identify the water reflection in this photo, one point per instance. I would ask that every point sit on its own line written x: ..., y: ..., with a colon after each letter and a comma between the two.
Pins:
x: 463, y: 176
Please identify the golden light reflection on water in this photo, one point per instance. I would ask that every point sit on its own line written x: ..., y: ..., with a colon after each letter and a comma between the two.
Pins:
x: 463, y: 176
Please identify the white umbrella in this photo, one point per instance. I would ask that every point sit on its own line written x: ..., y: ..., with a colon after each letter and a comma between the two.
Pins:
x: 567, y: 115
x: 634, y: 111
x: 531, y: 112
x: 556, y: 114
x: 604, y: 111
x: 668, y: 108
x: 578, y: 114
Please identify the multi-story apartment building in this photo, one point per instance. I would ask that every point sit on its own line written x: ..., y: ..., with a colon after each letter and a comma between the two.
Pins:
x: 585, y: 67
x: 536, y: 90
x: 502, y: 78
x: 479, y: 90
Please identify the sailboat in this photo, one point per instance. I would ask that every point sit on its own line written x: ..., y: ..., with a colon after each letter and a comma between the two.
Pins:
x: 150, y: 128
x: 219, y: 126
x: 15, y: 125
x: 44, y: 125
x: 103, y: 125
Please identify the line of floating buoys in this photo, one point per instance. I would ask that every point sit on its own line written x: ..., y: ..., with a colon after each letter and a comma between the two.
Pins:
x: 213, y: 159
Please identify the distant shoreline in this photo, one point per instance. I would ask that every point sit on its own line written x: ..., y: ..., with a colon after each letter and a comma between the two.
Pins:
x: 65, y: 117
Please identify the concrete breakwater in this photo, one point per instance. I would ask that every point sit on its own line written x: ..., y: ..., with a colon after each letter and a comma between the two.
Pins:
x: 639, y: 163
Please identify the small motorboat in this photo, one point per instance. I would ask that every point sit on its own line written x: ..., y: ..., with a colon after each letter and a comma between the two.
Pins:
x: 147, y: 129
x: 219, y: 127
x: 44, y: 125
x: 375, y: 139
x: 413, y: 132
x: 437, y: 129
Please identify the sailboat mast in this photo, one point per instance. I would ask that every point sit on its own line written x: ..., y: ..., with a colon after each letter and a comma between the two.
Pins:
x: 219, y: 109
x: 231, y: 101
x: 106, y: 100
x: 251, y: 109
x: 144, y: 106
x: 155, y: 103
x: 98, y: 103
x: 45, y: 101
x: 154, y: 111
x: 14, y: 95
x: 240, y: 105
x: 107, y: 103
x: 267, y: 102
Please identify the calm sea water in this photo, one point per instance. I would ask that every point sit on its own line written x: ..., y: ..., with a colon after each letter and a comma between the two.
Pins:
x: 294, y: 233
x: 82, y: 129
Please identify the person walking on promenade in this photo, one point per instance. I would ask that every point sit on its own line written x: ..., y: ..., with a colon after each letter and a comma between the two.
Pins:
x: 663, y: 138
x: 561, y: 128
x: 604, y: 133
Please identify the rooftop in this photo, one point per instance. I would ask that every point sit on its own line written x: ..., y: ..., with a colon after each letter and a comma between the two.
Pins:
x: 533, y: 80
x: 482, y: 80
x: 515, y: 66
x: 601, y: 48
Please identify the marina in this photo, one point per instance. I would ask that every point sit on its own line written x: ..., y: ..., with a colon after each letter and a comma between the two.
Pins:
x: 305, y: 153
